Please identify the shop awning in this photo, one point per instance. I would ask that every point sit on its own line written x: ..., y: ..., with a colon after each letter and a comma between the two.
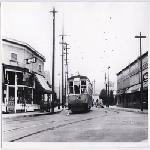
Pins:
x: 41, y: 84
x: 134, y: 88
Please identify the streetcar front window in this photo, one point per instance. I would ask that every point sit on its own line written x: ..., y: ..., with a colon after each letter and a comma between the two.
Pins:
x: 71, y: 87
x: 77, y: 87
x: 83, y: 87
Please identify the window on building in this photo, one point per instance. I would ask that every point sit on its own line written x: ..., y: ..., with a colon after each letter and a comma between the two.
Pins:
x: 11, y: 98
x: 13, y: 56
x: 28, y: 95
x: 71, y: 87
x: 20, y: 95
x: 11, y: 78
x: 19, y: 78
x: 40, y: 67
x: 83, y: 87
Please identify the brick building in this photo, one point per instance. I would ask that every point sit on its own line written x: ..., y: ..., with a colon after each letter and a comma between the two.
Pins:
x: 129, y: 84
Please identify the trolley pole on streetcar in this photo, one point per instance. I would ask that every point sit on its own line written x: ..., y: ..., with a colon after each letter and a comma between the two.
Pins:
x: 141, y: 70
x: 53, y: 58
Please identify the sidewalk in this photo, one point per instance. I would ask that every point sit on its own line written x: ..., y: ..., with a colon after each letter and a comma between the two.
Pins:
x: 145, y: 111
x: 31, y: 114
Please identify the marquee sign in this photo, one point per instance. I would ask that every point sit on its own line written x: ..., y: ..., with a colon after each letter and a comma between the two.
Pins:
x: 31, y: 60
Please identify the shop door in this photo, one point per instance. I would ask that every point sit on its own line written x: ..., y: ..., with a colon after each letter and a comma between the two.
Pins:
x: 11, y: 99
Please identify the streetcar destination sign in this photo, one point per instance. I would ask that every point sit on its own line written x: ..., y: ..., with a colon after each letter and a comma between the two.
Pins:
x: 31, y: 60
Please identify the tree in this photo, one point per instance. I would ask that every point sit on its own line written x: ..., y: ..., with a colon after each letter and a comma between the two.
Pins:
x: 111, y: 98
x: 103, y: 96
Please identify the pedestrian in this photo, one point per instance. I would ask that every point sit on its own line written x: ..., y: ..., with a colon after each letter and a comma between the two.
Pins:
x: 67, y: 109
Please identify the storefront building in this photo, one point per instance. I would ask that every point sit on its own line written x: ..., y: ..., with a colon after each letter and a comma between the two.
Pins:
x: 129, y: 84
x: 23, y: 82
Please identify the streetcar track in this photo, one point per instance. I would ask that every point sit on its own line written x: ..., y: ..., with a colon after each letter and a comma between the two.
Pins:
x: 59, y: 126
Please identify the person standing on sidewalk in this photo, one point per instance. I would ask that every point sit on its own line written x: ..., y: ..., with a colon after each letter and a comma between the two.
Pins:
x: 67, y: 109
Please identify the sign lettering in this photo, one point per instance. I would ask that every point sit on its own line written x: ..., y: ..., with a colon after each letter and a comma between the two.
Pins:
x: 31, y: 60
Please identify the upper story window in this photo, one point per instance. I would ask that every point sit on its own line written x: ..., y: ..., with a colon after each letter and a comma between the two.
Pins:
x: 40, y: 67
x: 13, y: 56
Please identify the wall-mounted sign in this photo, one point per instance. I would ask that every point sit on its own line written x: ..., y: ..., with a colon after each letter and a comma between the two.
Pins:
x: 11, y: 104
x: 31, y: 60
x: 145, y: 76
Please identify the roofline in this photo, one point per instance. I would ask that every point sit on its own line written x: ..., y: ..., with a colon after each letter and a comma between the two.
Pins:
x: 146, y: 53
x: 13, y: 41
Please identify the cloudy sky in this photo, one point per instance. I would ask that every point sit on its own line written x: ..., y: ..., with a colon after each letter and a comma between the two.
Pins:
x: 99, y: 34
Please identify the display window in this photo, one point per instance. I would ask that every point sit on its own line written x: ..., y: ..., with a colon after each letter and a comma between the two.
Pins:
x: 19, y: 78
x: 28, y: 95
x: 11, y: 78
x: 11, y: 99
x: 20, y: 95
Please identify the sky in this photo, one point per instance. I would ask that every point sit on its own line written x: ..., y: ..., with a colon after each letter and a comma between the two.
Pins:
x: 99, y: 34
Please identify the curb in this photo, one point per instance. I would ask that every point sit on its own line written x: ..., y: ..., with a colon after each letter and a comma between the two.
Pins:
x: 33, y: 115
x: 136, y: 111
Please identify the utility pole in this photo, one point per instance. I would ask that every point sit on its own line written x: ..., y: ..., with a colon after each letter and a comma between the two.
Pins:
x: 53, y: 59
x: 141, y: 70
x: 66, y: 91
x: 62, y: 70
x: 94, y: 86
x: 59, y: 92
x: 108, y: 86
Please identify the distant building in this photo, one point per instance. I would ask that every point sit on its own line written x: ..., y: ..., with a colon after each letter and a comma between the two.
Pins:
x: 129, y: 84
x: 23, y: 81
x: 95, y: 97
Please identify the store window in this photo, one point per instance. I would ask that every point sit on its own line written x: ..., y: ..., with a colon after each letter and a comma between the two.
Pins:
x: 83, y: 87
x: 71, y: 87
x: 20, y: 95
x: 11, y: 78
x: 11, y: 99
x: 19, y: 78
x: 28, y: 95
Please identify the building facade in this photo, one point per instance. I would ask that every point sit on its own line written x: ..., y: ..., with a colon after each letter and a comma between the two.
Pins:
x: 23, y: 83
x: 129, y: 84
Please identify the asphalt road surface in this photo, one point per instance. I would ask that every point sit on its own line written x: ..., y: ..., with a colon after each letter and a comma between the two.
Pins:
x: 96, y: 125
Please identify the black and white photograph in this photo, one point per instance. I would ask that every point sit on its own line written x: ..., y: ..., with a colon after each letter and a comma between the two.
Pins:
x: 74, y: 74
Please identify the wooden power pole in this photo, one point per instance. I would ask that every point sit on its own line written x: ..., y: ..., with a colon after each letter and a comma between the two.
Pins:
x: 141, y: 70
x: 53, y: 58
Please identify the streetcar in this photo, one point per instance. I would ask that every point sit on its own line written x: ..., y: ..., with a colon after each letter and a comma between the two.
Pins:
x: 80, y: 93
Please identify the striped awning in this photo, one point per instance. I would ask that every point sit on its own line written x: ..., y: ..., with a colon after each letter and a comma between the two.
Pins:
x: 41, y: 84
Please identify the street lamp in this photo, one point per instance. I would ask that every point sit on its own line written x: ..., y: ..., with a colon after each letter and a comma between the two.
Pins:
x: 59, y: 92
x: 108, y: 86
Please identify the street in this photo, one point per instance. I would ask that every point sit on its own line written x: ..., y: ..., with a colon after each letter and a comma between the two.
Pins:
x: 96, y: 125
